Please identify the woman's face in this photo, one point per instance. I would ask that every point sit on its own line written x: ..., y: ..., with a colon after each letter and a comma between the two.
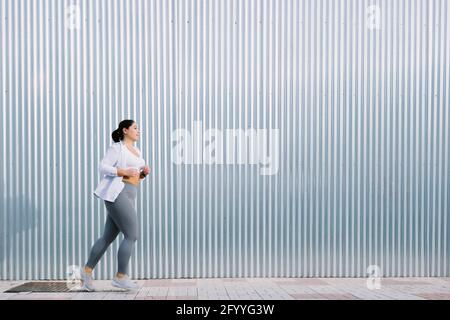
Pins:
x: 132, y: 132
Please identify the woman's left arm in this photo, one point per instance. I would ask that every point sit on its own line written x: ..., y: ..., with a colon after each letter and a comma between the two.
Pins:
x: 144, y: 170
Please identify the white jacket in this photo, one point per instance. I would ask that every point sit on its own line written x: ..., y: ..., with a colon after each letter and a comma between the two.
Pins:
x: 111, y: 184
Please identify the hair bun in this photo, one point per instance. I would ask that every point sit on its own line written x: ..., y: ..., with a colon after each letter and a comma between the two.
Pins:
x: 118, y: 135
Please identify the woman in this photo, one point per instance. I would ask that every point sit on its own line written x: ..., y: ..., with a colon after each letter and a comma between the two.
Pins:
x: 122, y: 168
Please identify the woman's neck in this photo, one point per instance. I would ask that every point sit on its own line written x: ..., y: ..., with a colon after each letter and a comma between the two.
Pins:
x: 128, y: 143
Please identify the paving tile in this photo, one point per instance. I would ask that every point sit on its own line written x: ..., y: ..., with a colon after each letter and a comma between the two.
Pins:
x: 182, y: 291
x: 325, y: 296
x: 182, y: 298
x: 240, y: 280
x: 389, y: 281
x: 90, y: 296
x: 13, y: 296
x: 434, y: 296
x: 168, y: 283
x: 41, y: 296
x: 303, y: 296
x: 302, y: 281
x: 156, y: 298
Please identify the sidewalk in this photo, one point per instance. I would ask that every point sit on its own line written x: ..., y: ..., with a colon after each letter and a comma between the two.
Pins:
x: 253, y: 289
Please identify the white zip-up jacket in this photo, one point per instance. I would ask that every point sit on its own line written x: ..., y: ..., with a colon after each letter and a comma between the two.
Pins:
x: 111, y: 184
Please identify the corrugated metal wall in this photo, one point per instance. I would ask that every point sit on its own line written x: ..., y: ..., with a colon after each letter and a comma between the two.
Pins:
x: 359, y: 91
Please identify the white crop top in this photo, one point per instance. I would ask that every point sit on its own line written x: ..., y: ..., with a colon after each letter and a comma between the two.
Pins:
x: 132, y: 161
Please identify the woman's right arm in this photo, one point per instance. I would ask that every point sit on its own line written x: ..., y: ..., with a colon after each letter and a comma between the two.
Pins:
x: 109, y: 160
x: 107, y: 163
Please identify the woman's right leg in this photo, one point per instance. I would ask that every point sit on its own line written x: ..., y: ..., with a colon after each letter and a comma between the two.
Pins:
x: 98, y: 249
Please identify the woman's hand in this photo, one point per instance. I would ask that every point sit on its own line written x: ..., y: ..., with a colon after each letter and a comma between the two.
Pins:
x: 146, y: 170
x: 132, y: 172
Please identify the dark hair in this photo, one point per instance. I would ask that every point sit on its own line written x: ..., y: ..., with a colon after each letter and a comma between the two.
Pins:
x: 117, y: 135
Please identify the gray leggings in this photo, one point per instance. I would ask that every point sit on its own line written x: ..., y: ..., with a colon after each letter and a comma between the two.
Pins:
x: 121, y: 217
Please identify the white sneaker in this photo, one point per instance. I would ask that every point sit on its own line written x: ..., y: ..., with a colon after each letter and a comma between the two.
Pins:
x: 124, y: 283
x: 87, y: 281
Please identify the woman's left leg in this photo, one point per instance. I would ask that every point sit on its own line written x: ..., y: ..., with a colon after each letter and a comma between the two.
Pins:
x: 98, y: 249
